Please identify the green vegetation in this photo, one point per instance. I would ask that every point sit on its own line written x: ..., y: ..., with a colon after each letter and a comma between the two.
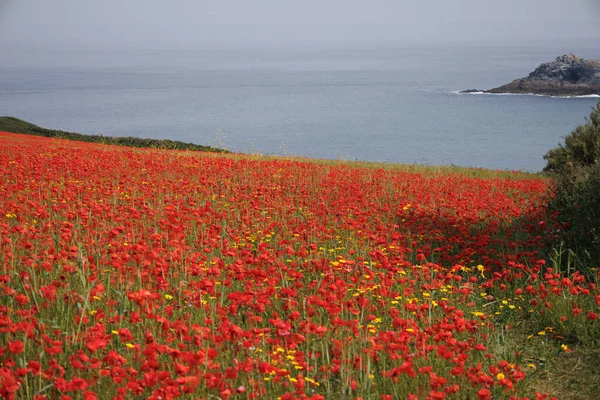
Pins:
x: 559, y: 342
x: 540, y: 317
x: 581, y: 149
x: 575, y: 169
x: 15, y: 125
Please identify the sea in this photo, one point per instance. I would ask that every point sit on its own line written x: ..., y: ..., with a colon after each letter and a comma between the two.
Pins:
x: 396, y: 104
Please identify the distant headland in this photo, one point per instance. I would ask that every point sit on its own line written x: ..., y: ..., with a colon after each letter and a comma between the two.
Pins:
x: 15, y: 125
x: 568, y: 75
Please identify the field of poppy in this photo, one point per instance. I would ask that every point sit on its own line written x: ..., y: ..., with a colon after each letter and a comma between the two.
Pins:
x: 130, y: 273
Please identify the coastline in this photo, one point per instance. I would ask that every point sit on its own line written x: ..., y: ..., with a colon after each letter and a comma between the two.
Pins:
x: 587, y: 96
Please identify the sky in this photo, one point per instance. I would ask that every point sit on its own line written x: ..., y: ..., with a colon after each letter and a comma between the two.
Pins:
x: 74, y: 24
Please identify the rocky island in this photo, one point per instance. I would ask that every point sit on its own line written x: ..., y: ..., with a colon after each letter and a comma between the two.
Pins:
x: 568, y: 75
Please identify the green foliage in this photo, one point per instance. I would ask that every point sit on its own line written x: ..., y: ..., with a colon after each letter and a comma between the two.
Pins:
x: 15, y: 125
x: 576, y: 205
x: 576, y: 202
x: 581, y: 148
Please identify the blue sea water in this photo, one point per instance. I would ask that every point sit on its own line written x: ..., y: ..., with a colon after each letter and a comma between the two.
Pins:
x: 379, y: 104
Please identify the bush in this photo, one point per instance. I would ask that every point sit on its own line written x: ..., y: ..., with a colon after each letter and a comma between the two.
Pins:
x: 575, y: 169
x: 581, y: 149
x: 576, y: 207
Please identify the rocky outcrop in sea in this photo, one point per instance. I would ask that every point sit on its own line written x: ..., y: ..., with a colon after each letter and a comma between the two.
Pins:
x: 568, y: 75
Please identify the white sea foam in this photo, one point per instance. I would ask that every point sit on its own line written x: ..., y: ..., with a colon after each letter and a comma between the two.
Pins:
x: 587, y: 96
x: 529, y: 94
x: 461, y: 92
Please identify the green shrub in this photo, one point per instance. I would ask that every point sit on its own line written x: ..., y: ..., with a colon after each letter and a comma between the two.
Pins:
x: 575, y: 169
x: 581, y: 148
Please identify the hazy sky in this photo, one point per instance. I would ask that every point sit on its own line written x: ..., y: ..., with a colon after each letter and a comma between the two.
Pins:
x: 250, y: 23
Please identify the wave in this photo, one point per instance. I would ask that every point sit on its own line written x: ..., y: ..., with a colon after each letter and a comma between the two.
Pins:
x: 594, y: 96
x: 585, y: 96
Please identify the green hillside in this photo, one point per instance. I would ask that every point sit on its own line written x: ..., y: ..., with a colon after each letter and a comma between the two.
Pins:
x: 15, y: 125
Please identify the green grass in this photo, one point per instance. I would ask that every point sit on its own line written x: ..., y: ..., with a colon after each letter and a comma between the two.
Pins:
x: 422, y: 169
x: 537, y: 335
x: 565, y: 375
x: 15, y: 125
